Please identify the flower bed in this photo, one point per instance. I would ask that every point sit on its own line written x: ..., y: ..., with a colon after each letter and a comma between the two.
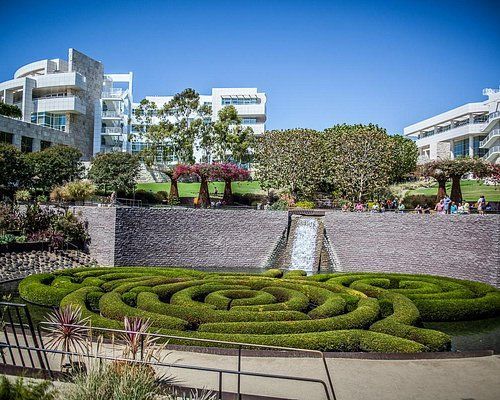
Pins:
x: 330, y: 312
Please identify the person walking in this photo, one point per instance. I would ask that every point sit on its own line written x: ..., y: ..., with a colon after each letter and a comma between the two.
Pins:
x: 481, y: 205
x: 446, y: 204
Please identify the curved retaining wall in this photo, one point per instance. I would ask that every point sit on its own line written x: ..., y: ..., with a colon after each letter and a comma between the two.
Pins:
x: 460, y: 246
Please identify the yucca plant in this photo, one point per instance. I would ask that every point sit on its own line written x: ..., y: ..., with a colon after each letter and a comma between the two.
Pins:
x: 196, y: 394
x: 68, y: 331
x: 138, y: 340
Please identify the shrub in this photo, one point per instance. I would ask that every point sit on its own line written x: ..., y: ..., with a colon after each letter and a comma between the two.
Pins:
x: 305, y: 204
x: 20, y: 390
x: 333, y: 312
x: 78, y: 190
x: 280, y: 205
x: 412, y: 201
x: 22, y: 195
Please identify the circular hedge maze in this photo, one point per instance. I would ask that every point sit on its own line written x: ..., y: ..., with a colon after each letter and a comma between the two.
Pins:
x: 329, y: 312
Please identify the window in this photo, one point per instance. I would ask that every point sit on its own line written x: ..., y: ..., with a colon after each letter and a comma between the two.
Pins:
x: 477, y: 150
x: 26, y: 144
x: 238, y: 101
x: 54, y: 121
x: 6, y: 137
x: 249, y: 121
x: 461, y: 148
x: 45, y: 144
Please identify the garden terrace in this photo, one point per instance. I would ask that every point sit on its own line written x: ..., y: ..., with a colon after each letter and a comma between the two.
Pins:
x: 370, y: 312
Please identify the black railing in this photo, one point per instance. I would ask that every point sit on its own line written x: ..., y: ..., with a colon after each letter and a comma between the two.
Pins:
x: 31, y: 345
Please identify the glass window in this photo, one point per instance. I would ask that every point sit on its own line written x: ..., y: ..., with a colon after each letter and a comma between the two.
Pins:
x: 478, y: 151
x: 54, y: 121
x: 26, y: 144
x: 461, y: 148
x: 236, y: 101
x: 6, y: 137
x: 249, y: 121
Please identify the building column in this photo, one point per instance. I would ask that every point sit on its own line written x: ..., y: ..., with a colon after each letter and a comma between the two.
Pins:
x: 36, y: 145
x: 471, y: 118
x: 452, y: 148
x: 16, y: 140
x: 471, y: 146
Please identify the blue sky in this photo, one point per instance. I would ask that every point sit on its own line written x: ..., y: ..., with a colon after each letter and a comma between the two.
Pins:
x: 320, y: 62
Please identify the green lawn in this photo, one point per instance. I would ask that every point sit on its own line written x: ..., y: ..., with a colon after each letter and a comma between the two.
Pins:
x: 192, y: 189
x: 471, y: 190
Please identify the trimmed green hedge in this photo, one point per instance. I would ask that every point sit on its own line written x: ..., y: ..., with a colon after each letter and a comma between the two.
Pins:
x: 331, y: 312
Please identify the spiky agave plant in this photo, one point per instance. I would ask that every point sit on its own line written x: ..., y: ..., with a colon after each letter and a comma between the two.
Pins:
x: 67, y: 331
x: 137, y: 337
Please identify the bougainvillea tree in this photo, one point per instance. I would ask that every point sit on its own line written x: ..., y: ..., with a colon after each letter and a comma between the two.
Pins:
x: 229, y: 173
x: 205, y: 173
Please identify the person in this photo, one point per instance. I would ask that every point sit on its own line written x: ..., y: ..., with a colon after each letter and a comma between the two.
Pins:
x: 466, y: 207
x: 216, y: 192
x: 481, y: 204
x: 446, y: 204
x: 439, y: 207
x: 418, y: 209
x: 395, y: 203
x: 112, y: 199
x: 460, y: 209
x: 345, y: 207
x: 358, y: 207
x: 375, y: 208
x: 453, y: 208
x: 426, y: 209
x: 401, y: 207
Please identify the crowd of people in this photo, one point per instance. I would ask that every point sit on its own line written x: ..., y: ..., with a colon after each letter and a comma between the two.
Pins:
x: 443, y: 206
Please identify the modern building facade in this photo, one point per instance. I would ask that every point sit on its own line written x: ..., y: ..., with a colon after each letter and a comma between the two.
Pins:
x: 471, y: 130
x: 58, y: 100
x: 114, y: 114
x: 249, y: 103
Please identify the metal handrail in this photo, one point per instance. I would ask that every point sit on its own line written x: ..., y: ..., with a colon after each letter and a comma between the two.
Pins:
x: 494, y: 132
x: 494, y: 149
x: 240, y: 345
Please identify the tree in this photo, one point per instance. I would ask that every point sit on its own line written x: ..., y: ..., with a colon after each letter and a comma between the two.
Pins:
x: 404, y: 157
x: 10, y: 110
x: 204, y: 172
x: 436, y: 169
x: 290, y: 159
x: 55, y: 166
x: 15, y: 172
x: 358, y: 160
x: 231, y: 140
x: 116, y: 172
x: 229, y: 173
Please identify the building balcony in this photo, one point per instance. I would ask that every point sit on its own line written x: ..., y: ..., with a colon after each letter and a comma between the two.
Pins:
x: 451, y: 134
x: 68, y: 104
x: 111, y: 115
x: 72, y: 80
x: 493, y: 118
x: 492, y: 154
x: 113, y: 130
x: 490, y: 139
x: 113, y: 94
x: 251, y: 109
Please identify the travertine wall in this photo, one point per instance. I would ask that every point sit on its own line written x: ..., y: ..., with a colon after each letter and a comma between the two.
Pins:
x: 101, y: 222
x: 196, y: 237
x: 38, y: 132
x: 183, y: 237
x: 460, y: 246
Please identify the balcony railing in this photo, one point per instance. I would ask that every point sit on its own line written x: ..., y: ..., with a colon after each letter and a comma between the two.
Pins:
x: 493, y: 150
x: 110, y: 114
x: 494, y: 132
x: 448, y: 128
x: 112, y: 129
x: 494, y: 115
x: 488, y: 91
x: 115, y: 93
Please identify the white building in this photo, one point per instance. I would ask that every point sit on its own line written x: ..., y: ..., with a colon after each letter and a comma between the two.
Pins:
x: 249, y: 103
x: 57, y: 98
x: 469, y: 130
x: 114, y: 114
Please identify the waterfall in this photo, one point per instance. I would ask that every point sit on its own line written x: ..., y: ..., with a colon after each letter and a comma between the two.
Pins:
x: 304, y: 244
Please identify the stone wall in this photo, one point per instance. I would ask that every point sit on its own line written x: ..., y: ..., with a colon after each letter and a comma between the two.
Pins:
x: 100, y: 223
x: 183, y: 237
x: 196, y: 237
x: 460, y: 246
x: 20, y: 128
